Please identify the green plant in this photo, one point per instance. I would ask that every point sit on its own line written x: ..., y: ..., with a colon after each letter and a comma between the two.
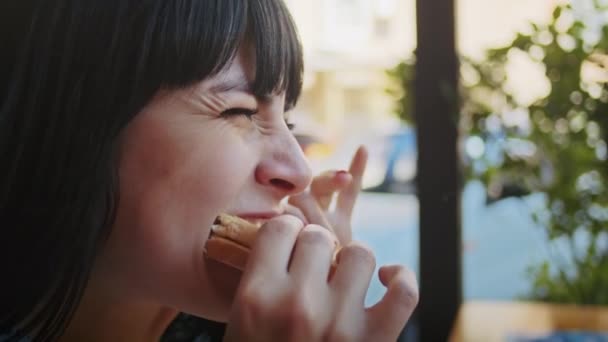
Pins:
x: 557, y: 146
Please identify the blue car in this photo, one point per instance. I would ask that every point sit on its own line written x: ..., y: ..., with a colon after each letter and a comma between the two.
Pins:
x: 400, y: 160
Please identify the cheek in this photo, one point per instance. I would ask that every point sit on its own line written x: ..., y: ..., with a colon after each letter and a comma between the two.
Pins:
x: 172, y: 185
x: 183, y: 171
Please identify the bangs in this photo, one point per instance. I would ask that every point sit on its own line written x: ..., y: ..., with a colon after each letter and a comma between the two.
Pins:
x: 197, y: 39
x: 74, y: 74
x: 278, y: 52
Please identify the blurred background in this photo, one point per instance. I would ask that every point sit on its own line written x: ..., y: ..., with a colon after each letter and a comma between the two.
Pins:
x: 532, y: 137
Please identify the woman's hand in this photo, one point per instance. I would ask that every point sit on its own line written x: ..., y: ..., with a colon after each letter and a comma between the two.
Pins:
x: 315, y: 204
x: 286, y: 293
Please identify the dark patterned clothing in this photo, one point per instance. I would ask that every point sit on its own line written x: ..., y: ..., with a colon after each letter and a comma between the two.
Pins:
x: 184, y: 328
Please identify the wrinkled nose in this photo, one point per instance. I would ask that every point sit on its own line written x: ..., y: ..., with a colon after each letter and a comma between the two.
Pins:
x: 285, y: 168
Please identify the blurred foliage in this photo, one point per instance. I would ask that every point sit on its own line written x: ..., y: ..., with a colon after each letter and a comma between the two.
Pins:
x: 403, y: 77
x: 555, y: 144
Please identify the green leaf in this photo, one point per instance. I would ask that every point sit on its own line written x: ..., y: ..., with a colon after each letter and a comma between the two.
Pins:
x: 565, y: 155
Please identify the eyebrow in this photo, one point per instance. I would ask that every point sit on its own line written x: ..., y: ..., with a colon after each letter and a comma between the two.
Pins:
x: 241, y: 84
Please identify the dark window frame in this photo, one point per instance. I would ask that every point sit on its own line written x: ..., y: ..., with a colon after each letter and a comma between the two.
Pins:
x: 436, y: 108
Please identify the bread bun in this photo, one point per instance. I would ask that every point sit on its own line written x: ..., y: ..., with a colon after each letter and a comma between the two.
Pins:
x: 231, y: 239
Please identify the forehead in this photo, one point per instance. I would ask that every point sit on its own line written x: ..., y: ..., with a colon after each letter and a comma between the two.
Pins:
x: 238, y: 74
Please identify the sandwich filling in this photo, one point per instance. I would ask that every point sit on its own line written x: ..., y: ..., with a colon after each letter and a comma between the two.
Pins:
x: 230, y: 241
x: 235, y: 229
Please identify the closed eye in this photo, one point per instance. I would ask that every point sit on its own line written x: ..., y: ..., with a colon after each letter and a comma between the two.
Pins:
x: 249, y: 113
x: 246, y: 112
x: 290, y: 125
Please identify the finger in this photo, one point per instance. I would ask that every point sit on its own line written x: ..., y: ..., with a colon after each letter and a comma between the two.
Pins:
x: 353, y: 273
x: 326, y: 184
x: 295, y: 211
x: 309, y: 206
x: 347, y: 197
x: 273, y: 246
x: 312, y: 255
x: 391, y: 313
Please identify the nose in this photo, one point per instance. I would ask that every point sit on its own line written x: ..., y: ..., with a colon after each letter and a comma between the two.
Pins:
x: 285, y: 169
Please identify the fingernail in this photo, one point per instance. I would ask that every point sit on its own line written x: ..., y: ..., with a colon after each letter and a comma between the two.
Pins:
x: 341, y: 173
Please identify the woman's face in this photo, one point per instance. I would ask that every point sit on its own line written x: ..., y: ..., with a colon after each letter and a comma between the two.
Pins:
x: 189, y: 155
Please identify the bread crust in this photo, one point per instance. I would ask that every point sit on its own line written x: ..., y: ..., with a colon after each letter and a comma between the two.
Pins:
x: 227, y: 252
x: 231, y: 239
x: 236, y: 229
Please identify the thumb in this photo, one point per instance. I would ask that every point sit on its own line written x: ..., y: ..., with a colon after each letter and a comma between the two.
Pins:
x: 388, y: 272
x: 393, y: 311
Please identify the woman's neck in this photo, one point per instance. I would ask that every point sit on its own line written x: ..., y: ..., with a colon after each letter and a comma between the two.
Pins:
x: 101, y: 319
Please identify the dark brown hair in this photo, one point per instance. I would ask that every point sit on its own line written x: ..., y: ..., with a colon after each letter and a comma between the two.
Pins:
x: 74, y: 74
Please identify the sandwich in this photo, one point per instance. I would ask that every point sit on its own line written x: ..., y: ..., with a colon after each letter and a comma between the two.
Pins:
x: 231, y: 239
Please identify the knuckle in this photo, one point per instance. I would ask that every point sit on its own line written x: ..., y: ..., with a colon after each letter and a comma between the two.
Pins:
x: 360, y: 254
x: 272, y: 228
x: 315, y: 234
x: 281, y: 225
x: 251, y: 305
x: 297, y: 198
x: 339, y: 334
x: 298, y: 314
x: 406, y: 292
x: 249, y: 296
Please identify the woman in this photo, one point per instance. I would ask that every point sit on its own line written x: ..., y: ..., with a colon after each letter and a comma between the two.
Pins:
x: 125, y: 128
